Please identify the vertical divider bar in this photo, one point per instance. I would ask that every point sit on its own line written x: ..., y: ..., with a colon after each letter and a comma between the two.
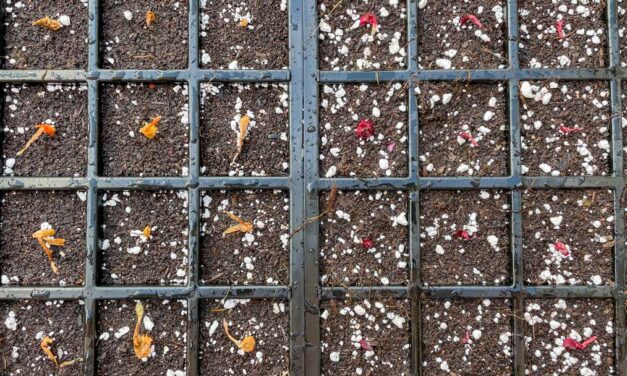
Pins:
x: 415, y: 291
x: 617, y: 170
x: 414, y: 175
x: 193, y: 304
x: 518, y: 290
x: 310, y: 164
x: 412, y: 55
x: 193, y: 242
x: 296, y: 194
x: 194, y: 35
x: 516, y: 194
x: 93, y: 152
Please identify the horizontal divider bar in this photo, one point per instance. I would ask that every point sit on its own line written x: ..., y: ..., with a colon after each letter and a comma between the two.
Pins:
x: 527, y: 292
x: 243, y: 292
x: 355, y: 292
x: 145, y: 292
x: 105, y: 75
x: 39, y: 76
x: 43, y: 183
x: 470, y: 75
x: 469, y: 292
x: 265, y: 182
x: 542, y: 182
x: 283, y: 292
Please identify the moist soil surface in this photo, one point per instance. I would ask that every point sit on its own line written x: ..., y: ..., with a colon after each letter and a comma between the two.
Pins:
x: 128, y: 257
x: 344, y: 151
x: 584, y: 34
x: 132, y: 44
x: 365, y: 337
x: 549, y: 322
x: 565, y: 128
x: 244, y: 35
x: 22, y: 259
x: 464, y: 129
x: 346, y: 43
x: 364, y: 239
x: 583, y: 224
x: 33, y: 47
x: 267, y: 321
x: 444, y: 43
x: 125, y: 108
x: 164, y: 320
x: 464, y: 238
x: 26, y: 322
x: 467, y: 337
x: 265, y: 149
x: 260, y: 257
x: 65, y: 107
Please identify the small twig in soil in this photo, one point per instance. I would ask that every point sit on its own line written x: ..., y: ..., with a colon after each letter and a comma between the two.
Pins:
x: 328, y: 14
x: 328, y: 208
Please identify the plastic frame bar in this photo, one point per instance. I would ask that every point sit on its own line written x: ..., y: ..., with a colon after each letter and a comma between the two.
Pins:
x: 518, y: 291
x: 194, y: 184
x: 304, y: 184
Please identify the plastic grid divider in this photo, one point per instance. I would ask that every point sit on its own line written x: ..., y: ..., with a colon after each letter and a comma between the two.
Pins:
x: 304, y: 184
x: 194, y: 184
x: 518, y: 291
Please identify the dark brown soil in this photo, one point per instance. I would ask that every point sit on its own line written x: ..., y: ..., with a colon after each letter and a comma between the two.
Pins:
x: 132, y: 44
x: 384, y: 325
x: 26, y: 322
x: 226, y: 43
x: 550, y: 322
x: 345, y: 45
x: 260, y: 257
x: 570, y: 134
x: 128, y: 257
x: 585, y: 31
x: 450, y: 113
x: 444, y: 43
x: 464, y: 238
x: 124, y: 110
x: 266, y: 145
x: 469, y: 337
x: 22, y: 260
x: 379, y: 216
x: 65, y: 107
x: 33, y: 47
x: 586, y: 229
x: 115, y: 356
x: 266, y: 321
x: 342, y: 151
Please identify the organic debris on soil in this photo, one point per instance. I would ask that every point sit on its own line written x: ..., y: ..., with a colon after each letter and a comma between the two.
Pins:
x: 141, y: 343
x: 42, y: 128
x: 247, y: 344
x: 244, y: 122
x: 150, y: 18
x: 45, y: 346
x: 150, y: 130
x: 45, y: 238
x: 241, y: 226
x: 48, y: 23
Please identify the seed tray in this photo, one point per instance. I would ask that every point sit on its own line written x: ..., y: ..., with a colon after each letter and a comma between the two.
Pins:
x: 305, y: 293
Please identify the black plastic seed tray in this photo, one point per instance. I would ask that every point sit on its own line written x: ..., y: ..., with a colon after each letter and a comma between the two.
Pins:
x: 305, y: 293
